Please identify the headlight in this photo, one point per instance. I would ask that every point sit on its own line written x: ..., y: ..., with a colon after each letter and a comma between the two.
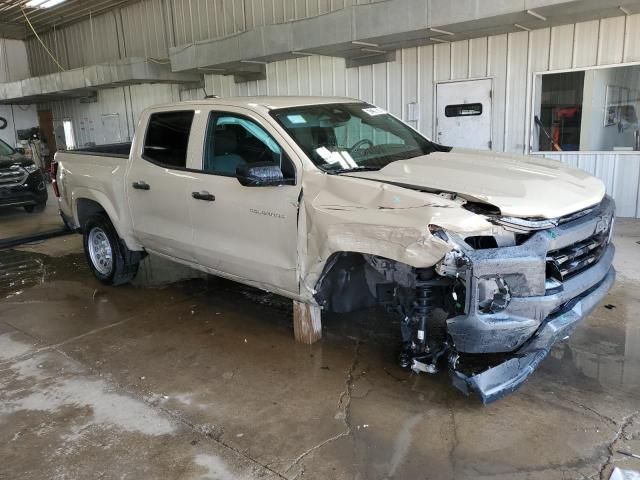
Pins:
x: 494, y: 294
x: 30, y: 168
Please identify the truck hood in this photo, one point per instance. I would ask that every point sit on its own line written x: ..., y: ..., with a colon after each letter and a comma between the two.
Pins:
x: 520, y: 186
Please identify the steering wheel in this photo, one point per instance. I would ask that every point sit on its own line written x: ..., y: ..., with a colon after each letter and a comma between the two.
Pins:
x: 359, y: 144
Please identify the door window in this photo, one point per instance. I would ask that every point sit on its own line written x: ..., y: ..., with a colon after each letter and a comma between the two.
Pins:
x: 167, y: 138
x: 232, y: 141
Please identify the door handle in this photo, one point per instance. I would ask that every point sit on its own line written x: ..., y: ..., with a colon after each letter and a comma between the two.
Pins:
x: 206, y: 196
x: 141, y: 185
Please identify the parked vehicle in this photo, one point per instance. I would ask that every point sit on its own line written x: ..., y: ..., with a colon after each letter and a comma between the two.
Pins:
x: 488, y: 258
x: 22, y: 183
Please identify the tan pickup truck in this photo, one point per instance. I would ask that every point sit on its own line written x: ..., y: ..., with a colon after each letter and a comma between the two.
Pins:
x: 488, y: 258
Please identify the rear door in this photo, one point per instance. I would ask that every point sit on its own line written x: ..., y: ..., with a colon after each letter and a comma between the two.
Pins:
x: 157, y: 184
x: 464, y: 114
x: 247, y: 233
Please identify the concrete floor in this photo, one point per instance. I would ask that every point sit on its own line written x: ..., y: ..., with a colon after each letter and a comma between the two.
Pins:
x: 202, y: 379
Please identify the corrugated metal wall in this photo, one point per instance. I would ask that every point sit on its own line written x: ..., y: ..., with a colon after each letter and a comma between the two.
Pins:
x: 13, y: 60
x: 510, y: 60
x: 150, y: 27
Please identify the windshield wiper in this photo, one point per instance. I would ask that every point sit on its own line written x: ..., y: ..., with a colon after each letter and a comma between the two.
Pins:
x: 354, y: 169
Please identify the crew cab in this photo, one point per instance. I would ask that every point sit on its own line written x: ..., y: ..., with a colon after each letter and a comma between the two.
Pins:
x: 487, y: 258
x: 22, y: 183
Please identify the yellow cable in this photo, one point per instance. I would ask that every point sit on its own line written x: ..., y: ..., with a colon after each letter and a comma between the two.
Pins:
x: 40, y: 40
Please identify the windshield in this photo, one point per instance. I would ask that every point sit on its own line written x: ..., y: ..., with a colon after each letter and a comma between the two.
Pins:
x: 342, y: 137
x: 6, y: 149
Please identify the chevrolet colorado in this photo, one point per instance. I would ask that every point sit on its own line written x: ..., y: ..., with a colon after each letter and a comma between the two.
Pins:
x: 488, y: 258
x: 22, y: 183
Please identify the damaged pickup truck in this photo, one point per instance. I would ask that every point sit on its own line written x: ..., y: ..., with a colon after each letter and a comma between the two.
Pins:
x: 487, y: 258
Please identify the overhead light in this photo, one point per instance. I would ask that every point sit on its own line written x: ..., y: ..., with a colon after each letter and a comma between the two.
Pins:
x: 306, y: 54
x: 522, y: 27
x: 259, y: 62
x: 441, y: 40
x: 373, y: 50
x: 43, y: 3
x: 441, y: 32
x: 537, y: 15
x: 364, y: 44
x: 625, y: 10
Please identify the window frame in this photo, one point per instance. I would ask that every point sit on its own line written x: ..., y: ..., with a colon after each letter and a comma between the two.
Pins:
x: 533, y: 105
x: 146, y: 133
x: 215, y: 114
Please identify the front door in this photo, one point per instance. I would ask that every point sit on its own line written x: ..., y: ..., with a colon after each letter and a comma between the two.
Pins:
x: 247, y: 233
x: 464, y: 114
x: 157, y: 185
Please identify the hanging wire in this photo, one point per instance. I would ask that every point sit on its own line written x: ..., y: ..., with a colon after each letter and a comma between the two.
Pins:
x: 40, y: 40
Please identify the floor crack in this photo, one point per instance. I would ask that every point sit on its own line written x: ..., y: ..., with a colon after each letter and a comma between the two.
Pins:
x: 623, y: 425
x: 344, y: 411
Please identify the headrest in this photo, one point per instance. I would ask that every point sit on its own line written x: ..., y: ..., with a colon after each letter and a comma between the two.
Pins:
x: 225, y: 142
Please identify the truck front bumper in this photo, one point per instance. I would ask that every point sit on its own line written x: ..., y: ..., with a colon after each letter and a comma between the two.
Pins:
x: 537, y: 317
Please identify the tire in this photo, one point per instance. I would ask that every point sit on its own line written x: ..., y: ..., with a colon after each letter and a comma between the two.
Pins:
x: 35, y: 208
x: 108, y: 257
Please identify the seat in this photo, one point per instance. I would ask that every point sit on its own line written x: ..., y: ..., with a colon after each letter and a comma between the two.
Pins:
x: 225, y: 158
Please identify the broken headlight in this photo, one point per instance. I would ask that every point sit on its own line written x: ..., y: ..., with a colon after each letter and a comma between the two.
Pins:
x: 494, y: 294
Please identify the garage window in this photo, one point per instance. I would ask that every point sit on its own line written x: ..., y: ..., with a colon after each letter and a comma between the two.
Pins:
x: 588, y: 110
x: 167, y: 138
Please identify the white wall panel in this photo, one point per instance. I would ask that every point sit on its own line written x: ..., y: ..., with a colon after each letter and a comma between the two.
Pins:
x: 585, y: 53
x: 611, y: 40
x: 478, y: 57
x: 561, y: 48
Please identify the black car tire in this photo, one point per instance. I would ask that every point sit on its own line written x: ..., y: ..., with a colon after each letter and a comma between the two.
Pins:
x: 39, y: 207
x: 123, y: 264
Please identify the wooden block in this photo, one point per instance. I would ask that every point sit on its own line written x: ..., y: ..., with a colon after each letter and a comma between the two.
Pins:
x: 307, y: 326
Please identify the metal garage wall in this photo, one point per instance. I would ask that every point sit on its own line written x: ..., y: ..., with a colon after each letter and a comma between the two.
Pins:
x: 13, y: 60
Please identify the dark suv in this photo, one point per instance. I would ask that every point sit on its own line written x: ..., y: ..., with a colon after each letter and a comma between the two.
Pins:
x: 22, y: 184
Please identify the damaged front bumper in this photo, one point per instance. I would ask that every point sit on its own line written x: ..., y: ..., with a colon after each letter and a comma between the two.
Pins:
x: 537, y: 317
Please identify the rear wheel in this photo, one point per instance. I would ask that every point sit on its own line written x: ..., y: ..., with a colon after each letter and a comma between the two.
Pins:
x: 109, y: 258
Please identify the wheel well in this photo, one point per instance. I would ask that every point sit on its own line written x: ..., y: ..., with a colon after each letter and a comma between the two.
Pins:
x: 86, y: 208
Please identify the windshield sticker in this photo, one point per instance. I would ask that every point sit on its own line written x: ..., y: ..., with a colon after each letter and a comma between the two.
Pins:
x: 373, y: 111
x: 296, y: 119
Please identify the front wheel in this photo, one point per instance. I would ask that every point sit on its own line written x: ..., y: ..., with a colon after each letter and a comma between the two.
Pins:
x: 109, y: 258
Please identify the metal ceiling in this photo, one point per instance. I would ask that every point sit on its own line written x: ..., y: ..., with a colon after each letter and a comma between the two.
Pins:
x: 14, y: 25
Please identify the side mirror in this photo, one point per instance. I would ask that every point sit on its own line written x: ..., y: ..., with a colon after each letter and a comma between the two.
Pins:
x: 263, y: 174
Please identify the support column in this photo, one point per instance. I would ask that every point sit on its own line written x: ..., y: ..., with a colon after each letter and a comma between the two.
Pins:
x: 307, y: 326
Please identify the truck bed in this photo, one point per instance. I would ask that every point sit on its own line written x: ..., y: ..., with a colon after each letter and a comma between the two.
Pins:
x: 111, y: 150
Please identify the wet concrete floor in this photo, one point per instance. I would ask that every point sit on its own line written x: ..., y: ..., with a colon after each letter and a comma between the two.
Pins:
x: 202, y: 379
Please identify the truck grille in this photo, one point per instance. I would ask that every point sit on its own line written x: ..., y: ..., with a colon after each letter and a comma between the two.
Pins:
x: 12, y: 176
x: 566, y: 262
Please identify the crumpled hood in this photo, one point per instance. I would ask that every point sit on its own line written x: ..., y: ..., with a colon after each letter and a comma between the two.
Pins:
x: 521, y: 186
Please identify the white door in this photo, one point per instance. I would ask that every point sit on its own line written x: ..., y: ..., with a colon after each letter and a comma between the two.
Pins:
x: 464, y: 114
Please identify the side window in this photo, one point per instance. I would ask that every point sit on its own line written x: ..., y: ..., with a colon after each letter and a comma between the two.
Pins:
x: 167, y: 138
x: 232, y: 141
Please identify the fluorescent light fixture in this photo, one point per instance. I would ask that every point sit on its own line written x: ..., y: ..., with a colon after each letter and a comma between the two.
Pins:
x: 522, y: 27
x: 441, y: 32
x: 364, y: 44
x: 259, y: 62
x: 625, y: 10
x: 537, y: 15
x: 441, y: 40
x: 306, y: 54
x: 373, y: 50
x: 43, y: 3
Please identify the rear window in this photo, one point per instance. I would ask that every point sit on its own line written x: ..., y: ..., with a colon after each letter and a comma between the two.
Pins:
x: 167, y: 138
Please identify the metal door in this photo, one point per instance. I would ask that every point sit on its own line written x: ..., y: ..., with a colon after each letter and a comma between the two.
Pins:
x: 464, y: 114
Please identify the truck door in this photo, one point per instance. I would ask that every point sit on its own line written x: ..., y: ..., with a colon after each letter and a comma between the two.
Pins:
x: 247, y: 233
x: 157, y: 184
